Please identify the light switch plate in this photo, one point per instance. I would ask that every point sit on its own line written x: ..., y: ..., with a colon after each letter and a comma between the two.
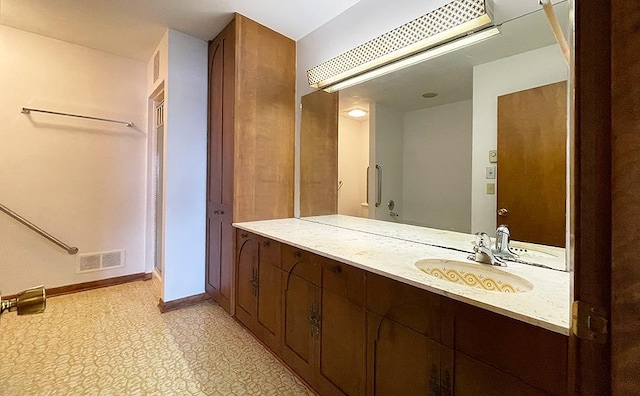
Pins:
x: 493, y: 156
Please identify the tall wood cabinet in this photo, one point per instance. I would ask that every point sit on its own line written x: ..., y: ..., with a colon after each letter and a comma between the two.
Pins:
x: 250, y: 140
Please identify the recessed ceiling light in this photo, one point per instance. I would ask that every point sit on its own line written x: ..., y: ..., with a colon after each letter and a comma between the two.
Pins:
x: 356, y: 113
x: 430, y: 95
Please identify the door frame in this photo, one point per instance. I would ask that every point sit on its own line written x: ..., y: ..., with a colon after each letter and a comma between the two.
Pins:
x: 590, y: 182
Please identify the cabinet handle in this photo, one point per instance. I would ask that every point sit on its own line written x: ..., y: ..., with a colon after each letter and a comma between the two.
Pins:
x: 297, y: 254
x: 336, y: 269
x: 314, y: 321
x: 434, y: 381
x: 244, y: 235
x: 446, y: 388
x: 254, y: 281
x: 266, y: 243
x: 216, y: 211
x: 221, y: 212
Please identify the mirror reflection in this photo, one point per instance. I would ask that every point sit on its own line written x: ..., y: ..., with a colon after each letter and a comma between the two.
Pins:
x: 465, y: 141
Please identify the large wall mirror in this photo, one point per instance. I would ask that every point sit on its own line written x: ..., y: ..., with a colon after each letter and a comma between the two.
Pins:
x: 462, y: 142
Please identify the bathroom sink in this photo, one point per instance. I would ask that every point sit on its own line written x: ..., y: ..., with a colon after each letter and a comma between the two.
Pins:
x: 475, y: 275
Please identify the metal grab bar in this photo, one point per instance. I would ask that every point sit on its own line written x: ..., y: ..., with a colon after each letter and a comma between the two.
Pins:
x: 26, y: 110
x: 15, y: 216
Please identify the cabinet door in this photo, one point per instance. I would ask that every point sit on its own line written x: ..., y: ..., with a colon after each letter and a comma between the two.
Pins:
x: 401, y: 361
x: 220, y: 233
x: 247, y: 278
x: 342, y: 346
x: 268, y: 305
x: 301, y: 312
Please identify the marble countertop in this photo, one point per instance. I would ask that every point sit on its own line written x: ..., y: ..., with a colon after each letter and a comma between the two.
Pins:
x: 391, y: 250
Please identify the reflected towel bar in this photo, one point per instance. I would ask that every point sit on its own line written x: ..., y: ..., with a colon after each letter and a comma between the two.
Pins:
x: 26, y: 110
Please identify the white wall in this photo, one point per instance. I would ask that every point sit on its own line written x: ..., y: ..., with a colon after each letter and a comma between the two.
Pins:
x: 353, y: 159
x: 386, y: 132
x: 185, y: 167
x: 83, y: 181
x: 516, y: 73
x: 437, y: 167
x: 366, y: 20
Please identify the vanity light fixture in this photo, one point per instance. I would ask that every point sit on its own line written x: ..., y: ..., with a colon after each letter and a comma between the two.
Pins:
x: 356, y: 113
x: 417, y: 58
x: 430, y: 32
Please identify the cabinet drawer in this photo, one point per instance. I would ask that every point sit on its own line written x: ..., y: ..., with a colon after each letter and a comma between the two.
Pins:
x: 415, y: 308
x: 301, y: 263
x: 343, y: 280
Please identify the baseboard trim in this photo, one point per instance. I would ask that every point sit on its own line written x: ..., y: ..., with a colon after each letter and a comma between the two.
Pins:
x: 79, y: 287
x: 182, y: 302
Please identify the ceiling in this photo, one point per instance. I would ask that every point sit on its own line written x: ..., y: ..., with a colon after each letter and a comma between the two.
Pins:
x: 133, y: 28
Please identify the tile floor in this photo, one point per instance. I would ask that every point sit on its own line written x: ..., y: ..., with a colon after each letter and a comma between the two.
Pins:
x: 114, y: 341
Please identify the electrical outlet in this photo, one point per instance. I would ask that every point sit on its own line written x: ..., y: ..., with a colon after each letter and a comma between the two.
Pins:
x: 491, y: 172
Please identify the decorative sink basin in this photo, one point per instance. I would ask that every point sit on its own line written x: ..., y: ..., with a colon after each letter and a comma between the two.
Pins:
x: 475, y: 275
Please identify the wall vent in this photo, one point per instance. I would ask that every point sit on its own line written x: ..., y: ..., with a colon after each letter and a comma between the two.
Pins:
x: 90, y: 262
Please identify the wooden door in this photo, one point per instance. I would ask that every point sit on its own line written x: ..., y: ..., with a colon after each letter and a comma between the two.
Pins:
x: 319, y: 154
x: 532, y: 134
x: 220, y: 240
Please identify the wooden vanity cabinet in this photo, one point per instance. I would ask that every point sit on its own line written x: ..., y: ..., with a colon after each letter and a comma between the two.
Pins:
x: 258, y: 287
x: 250, y: 153
x: 346, y: 331
x: 324, y: 322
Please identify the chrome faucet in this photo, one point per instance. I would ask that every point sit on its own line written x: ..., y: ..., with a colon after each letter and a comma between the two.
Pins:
x: 484, y: 253
x: 501, y: 247
x: 496, y: 254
